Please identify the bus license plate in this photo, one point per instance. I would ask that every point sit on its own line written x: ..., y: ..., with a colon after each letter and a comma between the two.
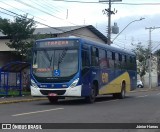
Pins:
x: 52, y: 94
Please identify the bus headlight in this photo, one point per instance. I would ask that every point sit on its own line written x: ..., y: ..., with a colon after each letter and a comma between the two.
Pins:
x: 74, y: 83
x: 33, y: 83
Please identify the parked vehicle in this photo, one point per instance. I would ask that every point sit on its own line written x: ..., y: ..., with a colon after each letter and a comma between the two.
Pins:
x: 140, y: 84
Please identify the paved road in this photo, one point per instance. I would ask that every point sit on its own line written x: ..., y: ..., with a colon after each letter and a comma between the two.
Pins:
x: 138, y: 107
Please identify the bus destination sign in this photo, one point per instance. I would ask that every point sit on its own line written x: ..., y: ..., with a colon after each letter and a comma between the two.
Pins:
x: 45, y: 44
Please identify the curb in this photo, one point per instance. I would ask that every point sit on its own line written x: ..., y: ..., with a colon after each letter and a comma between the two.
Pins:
x: 145, y: 90
x: 22, y: 100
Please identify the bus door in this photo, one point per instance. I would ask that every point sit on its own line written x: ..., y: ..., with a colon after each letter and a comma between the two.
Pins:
x: 85, y: 70
x: 95, y: 70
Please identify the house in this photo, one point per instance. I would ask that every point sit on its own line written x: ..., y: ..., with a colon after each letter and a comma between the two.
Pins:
x: 88, y: 32
x: 155, y: 75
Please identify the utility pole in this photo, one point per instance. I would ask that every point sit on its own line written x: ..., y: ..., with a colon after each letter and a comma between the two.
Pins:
x: 109, y: 13
x: 109, y: 23
x: 150, y: 54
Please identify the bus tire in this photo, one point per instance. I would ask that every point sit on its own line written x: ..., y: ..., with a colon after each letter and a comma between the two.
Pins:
x: 52, y: 100
x: 91, y: 98
x: 122, y: 94
x: 115, y: 95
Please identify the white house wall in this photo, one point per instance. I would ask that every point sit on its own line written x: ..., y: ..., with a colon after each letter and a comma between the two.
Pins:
x: 3, y: 46
x: 154, y: 75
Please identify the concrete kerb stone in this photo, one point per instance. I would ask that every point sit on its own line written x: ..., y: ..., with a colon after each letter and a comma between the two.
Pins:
x: 144, y: 90
x: 9, y: 101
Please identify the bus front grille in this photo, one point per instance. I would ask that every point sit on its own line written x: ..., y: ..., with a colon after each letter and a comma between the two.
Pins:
x: 58, y: 92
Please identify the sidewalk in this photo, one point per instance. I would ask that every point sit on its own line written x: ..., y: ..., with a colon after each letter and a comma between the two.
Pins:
x: 146, y: 89
x: 29, y: 98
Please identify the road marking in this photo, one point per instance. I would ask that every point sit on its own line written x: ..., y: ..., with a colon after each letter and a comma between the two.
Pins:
x: 35, y: 112
x: 108, y: 101
x: 142, y: 96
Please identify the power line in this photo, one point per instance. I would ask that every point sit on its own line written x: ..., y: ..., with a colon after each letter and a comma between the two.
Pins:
x: 51, y: 5
x: 54, y: 27
x: 137, y: 4
x: 21, y: 10
x: 74, y: 1
x: 120, y: 3
x: 42, y: 23
x: 41, y: 5
x: 44, y: 11
x: 38, y: 9
x: 7, y: 13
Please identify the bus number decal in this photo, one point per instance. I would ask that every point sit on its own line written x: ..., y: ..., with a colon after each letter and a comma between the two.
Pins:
x: 104, y: 77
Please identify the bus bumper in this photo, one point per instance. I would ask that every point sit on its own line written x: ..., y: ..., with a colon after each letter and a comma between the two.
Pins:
x: 71, y: 91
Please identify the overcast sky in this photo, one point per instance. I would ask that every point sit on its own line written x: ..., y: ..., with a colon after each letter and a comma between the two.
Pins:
x: 60, y: 13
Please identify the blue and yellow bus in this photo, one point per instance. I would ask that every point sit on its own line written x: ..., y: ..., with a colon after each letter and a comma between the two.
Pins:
x: 76, y: 67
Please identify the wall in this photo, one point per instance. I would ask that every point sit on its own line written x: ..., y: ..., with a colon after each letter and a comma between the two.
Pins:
x: 154, y: 75
x: 3, y: 46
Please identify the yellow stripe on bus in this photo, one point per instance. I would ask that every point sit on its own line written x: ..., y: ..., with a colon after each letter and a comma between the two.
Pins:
x: 115, y: 85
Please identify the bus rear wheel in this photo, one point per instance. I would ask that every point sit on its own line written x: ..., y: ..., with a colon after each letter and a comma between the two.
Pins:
x: 122, y: 94
x: 91, y: 98
x: 53, y: 100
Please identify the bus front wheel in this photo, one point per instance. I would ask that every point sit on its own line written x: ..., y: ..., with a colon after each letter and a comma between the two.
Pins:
x: 91, y: 98
x: 53, y: 99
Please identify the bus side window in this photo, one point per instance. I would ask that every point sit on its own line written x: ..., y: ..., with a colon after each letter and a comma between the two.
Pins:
x: 102, y: 59
x: 120, y: 60
x: 94, y: 57
x: 134, y: 62
x: 85, y: 58
x: 123, y: 63
x: 110, y: 58
x: 129, y: 63
x: 116, y: 62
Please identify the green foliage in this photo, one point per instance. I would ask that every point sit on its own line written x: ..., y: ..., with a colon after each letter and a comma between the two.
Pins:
x: 142, y: 55
x: 157, y: 53
x: 20, y: 33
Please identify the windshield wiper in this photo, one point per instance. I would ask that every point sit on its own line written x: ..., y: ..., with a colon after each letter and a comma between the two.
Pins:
x: 61, y: 57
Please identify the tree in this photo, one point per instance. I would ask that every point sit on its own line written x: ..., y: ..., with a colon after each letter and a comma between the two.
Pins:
x: 157, y: 53
x: 20, y: 32
x: 142, y: 55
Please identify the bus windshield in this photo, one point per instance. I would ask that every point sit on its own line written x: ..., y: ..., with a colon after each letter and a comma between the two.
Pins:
x: 54, y: 63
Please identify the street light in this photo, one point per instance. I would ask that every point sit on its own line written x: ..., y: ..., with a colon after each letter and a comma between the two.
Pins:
x: 127, y: 26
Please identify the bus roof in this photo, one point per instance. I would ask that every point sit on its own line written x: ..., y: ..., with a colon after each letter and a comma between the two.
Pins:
x: 90, y: 42
x: 111, y: 48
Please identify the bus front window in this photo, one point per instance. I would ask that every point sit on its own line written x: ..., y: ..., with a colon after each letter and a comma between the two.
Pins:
x: 59, y: 63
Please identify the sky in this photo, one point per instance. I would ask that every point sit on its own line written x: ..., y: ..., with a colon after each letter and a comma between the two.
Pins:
x: 62, y: 13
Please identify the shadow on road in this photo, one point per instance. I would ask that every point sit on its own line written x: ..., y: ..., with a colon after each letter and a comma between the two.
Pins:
x: 81, y: 101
